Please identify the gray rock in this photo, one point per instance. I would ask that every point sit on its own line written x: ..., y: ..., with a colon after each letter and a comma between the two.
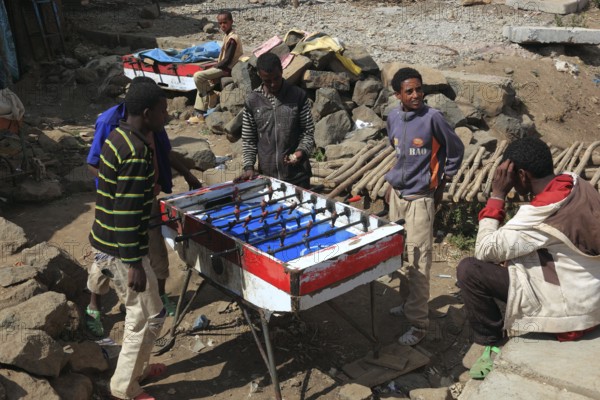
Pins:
x: 411, y: 381
x: 34, y: 192
x: 337, y: 66
x: 488, y: 93
x: 151, y: 11
x: 363, y: 135
x: 177, y: 104
x: 322, y: 79
x: 217, y: 120
x: 327, y: 101
x: 392, y: 103
x: 87, y: 357
x: 365, y: 114
x: 103, y: 65
x: 381, y: 101
x: 465, y: 135
x: 321, y: 59
x: 17, y: 294
x: 48, y: 312
x: 70, y: 63
x: 281, y: 50
x: 430, y: 394
x: 354, y: 391
x: 346, y: 149
x: 31, y: 350
x: 12, y: 237
x: 245, y: 76
x: 451, y: 112
x: 366, y: 92
x: 363, y: 59
x: 233, y: 128
x: 332, y: 129
x: 232, y: 99
x: 294, y: 71
x: 85, y: 75
x: 473, y: 115
x: 485, y: 139
x: 52, y: 141
x: 22, y: 386
x: 513, y: 126
x: 13, y: 275
x: 73, y: 386
x: 196, y: 154
x: 79, y: 179
x: 56, y: 269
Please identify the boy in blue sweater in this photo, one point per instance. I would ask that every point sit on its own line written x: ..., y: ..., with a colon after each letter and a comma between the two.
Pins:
x: 428, y: 153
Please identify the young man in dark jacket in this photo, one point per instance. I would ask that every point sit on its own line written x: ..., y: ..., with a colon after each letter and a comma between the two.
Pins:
x: 428, y: 153
x: 277, y: 127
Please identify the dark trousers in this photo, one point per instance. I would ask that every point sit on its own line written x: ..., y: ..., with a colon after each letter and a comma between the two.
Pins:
x: 482, y: 282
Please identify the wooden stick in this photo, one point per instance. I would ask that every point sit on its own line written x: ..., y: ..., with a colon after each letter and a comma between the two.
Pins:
x: 351, y: 179
x: 595, y: 178
x: 361, y: 161
x: 322, y: 172
x: 375, y: 192
x: 464, y: 166
x: 350, y: 162
x: 558, y: 158
x: 586, y: 157
x: 574, y: 157
x: 386, y: 165
x: 375, y: 172
x: 469, y: 174
x: 475, y: 187
x: 566, y: 158
x: 383, y: 189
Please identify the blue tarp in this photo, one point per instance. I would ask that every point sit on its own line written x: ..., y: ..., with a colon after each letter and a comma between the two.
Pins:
x: 8, y: 54
x: 202, y: 52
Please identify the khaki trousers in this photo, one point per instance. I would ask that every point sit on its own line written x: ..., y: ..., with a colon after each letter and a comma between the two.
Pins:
x: 418, y: 215
x: 143, y: 323
x: 99, y: 282
x: 206, y: 98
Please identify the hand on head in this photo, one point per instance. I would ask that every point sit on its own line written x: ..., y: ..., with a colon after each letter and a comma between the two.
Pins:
x: 504, y: 179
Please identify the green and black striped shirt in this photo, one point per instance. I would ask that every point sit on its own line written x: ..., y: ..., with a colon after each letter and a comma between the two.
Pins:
x: 124, y: 195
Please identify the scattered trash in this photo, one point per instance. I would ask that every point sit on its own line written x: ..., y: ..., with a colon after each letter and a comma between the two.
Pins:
x: 362, y: 124
x: 565, y: 66
x: 201, y: 323
x: 210, y: 343
x: 254, y: 388
x: 444, y: 276
x: 198, y: 346
x: 596, y: 80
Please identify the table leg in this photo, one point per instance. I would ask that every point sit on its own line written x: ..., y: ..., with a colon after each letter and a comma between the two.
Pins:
x: 271, y: 356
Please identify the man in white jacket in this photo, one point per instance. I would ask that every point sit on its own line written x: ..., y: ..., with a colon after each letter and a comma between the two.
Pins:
x: 544, y: 262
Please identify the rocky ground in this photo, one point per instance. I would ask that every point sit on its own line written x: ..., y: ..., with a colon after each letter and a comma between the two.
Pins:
x: 222, y: 362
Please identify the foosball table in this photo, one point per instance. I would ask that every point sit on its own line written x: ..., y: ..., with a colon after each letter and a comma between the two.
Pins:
x: 275, y: 247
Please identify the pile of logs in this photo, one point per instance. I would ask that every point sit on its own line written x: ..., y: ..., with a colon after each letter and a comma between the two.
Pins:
x: 364, y: 174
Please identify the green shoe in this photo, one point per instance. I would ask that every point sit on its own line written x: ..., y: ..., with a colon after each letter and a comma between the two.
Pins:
x: 484, y: 364
x: 169, y: 307
x: 93, y: 322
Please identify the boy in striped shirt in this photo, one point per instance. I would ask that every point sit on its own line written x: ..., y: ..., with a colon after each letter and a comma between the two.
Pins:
x: 120, y: 233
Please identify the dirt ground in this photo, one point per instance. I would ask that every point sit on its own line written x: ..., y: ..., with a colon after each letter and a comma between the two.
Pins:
x: 314, y: 344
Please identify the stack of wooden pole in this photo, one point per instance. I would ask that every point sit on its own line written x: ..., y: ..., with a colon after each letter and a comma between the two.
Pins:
x: 364, y: 174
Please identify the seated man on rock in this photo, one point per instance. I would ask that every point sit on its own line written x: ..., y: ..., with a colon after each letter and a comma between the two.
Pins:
x: 544, y: 262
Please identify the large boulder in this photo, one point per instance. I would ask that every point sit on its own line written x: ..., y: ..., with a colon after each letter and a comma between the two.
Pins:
x: 327, y: 101
x: 361, y: 57
x: 36, y: 192
x: 363, y: 135
x: 366, y: 92
x: 216, y: 121
x: 195, y: 153
x: 294, y: 71
x: 48, y: 312
x: 232, y: 99
x: 17, y: 294
x: 15, y: 274
x: 325, y: 79
x: 449, y: 108
x: 12, y: 236
x: 56, y: 269
x: 54, y: 140
x: 346, y: 149
x: 72, y: 386
x: 364, y: 117
x: 488, y: 93
x: 87, y: 357
x: 79, y: 179
x: 22, y: 386
x: 31, y: 350
x: 332, y: 129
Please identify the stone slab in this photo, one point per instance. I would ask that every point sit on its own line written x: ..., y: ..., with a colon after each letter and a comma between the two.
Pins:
x: 549, y: 6
x: 558, y: 35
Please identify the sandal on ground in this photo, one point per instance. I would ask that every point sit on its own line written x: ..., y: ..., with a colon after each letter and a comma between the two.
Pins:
x: 413, y: 336
x: 168, y: 305
x: 93, y: 322
x: 196, y: 119
x: 484, y: 364
x: 397, y: 311
x: 154, y: 371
